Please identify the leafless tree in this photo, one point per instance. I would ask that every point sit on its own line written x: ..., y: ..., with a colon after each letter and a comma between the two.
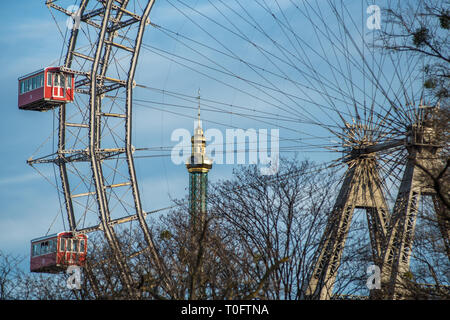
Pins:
x: 18, y: 284
x: 256, y: 241
x: 421, y: 27
x: 282, y: 218
x: 9, y: 270
x: 429, y: 276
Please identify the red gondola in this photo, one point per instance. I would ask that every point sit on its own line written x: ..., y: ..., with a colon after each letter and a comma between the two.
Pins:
x: 54, y: 253
x: 46, y: 89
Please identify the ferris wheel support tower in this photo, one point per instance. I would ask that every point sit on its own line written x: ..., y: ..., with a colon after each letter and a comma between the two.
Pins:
x: 361, y: 188
x: 391, y: 236
x: 424, y: 148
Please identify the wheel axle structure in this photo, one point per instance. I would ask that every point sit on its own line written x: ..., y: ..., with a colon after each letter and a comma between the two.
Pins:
x: 391, y: 235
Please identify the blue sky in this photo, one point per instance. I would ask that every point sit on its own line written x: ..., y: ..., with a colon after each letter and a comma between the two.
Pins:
x: 30, y: 40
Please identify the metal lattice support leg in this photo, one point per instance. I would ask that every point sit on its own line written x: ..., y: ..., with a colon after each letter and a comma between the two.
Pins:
x: 423, y: 165
x: 361, y: 189
x: 400, y: 234
x: 415, y: 183
x: 443, y: 219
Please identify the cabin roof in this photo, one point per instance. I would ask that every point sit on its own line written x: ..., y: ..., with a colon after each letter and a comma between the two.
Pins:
x: 45, y: 237
x: 31, y: 74
x: 54, y: 235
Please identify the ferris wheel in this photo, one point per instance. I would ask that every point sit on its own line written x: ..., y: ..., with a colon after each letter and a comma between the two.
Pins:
x: 95, y: 151
x: 313, y: 69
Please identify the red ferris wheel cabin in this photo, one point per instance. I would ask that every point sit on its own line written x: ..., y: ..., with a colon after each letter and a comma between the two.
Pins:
x: 54, y: 253
x: 46, y: 89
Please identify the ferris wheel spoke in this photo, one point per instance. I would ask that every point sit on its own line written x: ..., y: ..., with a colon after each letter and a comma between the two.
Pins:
x: 260, y: 49
x: 334, y: 42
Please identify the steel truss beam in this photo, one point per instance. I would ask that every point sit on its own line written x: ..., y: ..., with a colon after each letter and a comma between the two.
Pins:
x: 96, y: 166
x: 361, y: 188
x: 66, y: 156
x: 129, y: 218
x: 424, y: 153
x: 129, y: 147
